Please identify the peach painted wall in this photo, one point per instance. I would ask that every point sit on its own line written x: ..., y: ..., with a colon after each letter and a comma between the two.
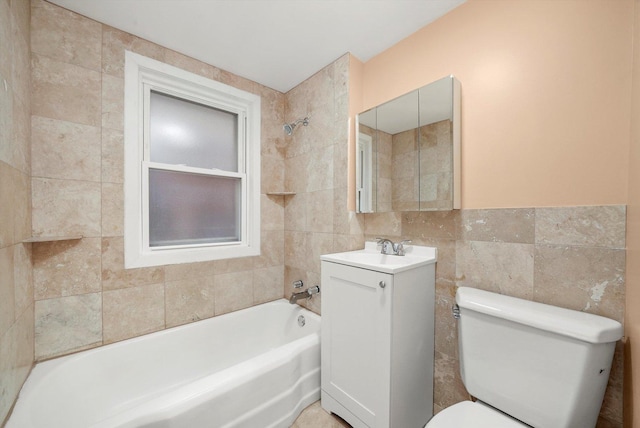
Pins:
x: 545, y: 96
x: 632, y: 319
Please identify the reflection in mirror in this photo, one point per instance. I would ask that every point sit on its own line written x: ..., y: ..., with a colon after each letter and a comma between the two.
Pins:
x: 364, y: 179
x: 414, y: 163
x: 366, y: 175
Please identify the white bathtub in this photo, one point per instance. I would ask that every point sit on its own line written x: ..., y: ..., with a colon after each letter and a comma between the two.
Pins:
x: 252, y: 368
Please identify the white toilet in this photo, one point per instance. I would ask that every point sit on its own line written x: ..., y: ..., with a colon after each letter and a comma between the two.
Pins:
x: 529, y: 364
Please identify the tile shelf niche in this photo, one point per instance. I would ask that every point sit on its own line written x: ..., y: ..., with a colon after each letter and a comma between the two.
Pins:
x: 52, y: 238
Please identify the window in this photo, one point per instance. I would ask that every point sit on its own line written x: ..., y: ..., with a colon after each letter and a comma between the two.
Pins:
x: 192, y: 167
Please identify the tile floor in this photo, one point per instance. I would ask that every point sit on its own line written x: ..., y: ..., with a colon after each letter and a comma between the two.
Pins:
x: 314, y: 416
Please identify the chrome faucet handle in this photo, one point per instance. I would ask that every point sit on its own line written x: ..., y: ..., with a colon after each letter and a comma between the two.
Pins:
x: 399, y: 247
x: 313, y: 290
x: 401, y: 243
x: 297, y: 284
x: 388, y: 247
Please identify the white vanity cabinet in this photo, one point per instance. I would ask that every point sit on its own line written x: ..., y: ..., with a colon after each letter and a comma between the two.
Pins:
x: 378, y: 337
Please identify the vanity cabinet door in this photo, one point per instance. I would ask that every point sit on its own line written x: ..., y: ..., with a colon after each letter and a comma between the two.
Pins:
x: 356, y: 336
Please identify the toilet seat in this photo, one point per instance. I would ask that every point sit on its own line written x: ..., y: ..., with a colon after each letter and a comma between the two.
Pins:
x: 468, y: 414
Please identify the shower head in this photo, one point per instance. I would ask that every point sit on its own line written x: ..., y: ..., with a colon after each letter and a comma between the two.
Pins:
x: 289, y: 127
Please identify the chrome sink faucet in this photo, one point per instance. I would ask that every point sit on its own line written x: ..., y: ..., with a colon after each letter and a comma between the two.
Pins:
x: 391, y: 248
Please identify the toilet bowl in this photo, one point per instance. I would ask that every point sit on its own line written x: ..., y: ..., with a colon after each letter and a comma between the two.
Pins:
x: 528, y: 364
x: 473, y: 414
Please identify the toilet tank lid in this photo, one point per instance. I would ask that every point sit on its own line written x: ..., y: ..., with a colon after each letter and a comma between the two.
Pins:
x: 579, y: 325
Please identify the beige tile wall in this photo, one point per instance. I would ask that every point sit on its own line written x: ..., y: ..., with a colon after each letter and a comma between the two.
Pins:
x: 316, y: 218
x: 16, y: 278
x: 83, y: 295
x: 572, y: 257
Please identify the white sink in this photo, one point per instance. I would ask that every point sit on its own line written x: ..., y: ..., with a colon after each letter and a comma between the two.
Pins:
x: 370, y: 258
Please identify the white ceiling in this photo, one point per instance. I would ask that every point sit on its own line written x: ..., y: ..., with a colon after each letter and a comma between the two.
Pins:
x: 278, y: 43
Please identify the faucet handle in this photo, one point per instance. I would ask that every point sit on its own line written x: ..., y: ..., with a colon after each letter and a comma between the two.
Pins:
x: 387, y: 246
x: 313, y: 290
x: 297, y: 284
x: 400, y: 246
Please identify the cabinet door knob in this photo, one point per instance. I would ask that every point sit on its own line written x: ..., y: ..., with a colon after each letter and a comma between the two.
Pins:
x: 382, y: 284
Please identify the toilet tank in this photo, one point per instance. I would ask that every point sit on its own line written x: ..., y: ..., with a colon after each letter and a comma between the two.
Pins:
x: 544, y: 365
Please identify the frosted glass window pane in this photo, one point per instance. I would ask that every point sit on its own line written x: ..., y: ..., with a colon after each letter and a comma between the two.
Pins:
x: 189, y: 208
x: 186, y: 133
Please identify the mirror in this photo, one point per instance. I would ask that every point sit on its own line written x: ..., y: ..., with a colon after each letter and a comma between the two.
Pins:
x: 408, y: 151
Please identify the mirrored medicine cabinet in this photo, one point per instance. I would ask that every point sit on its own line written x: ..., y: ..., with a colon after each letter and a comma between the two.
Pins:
x: 408, y: 151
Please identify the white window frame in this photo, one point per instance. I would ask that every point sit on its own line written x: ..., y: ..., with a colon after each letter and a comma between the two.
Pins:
x: 142, y: 75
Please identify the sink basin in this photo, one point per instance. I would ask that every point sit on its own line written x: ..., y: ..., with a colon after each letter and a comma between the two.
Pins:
x: 370, y: 258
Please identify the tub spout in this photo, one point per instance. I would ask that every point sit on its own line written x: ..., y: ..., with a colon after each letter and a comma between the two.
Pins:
x: 297, y: 296
x: 306, y: 294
